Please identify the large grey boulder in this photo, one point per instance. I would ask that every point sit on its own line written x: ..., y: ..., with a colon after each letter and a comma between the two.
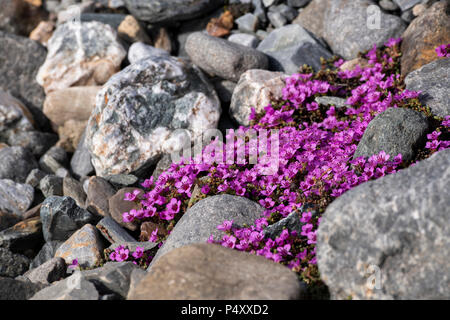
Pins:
x: 433, y: 80
x: 350, y: 26
x: 201, y: 220
x: 290, y: 47
x: 223, y: 58
x: 155, y: 11
x: 394, y: 131
x: 390, y: 238
x: 139, y: 110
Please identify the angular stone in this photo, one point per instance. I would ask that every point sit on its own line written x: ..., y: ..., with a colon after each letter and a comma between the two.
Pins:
x: 208, y: 271
x: 85, y: 245
x: 247, y: 23
x: 74, y: 103
x: 244, y: 39
x: 291, y: 222
x: 388, y: 5
x: 201, y: 220
x: 136, y: 276
x: 21, y: 59
x: 156, y: 11
x: 255, y: 89
x: 423, y: 35
x: 113, y: 232
x: 131, y: 30
x: 162, y: 39
x: 345, y: 26
x: 122, y: 180
x: 169, y: 92
x: 399, y: 224
x: 46, y: 253
x: 163, y: 164
x: 33, y: 212
x: 80, y: 164
x: 223, y: 58
x: 117, y: 206
x: 12, y: 264
x: 35, y: 141
x: 34, y: 177
x: 50, y: 271
x: 433, y: 80
x: 74, y: 189
x: 43, y: 32
x: 16, y: 163
x: 15, y: 197
x: 86, y: 60
x: 113, y: 277
x: 277, y: 19
x: 51, y: 185
x: 396, y: 130
x: 332, y: 101
x: 406, y: 4
x: 55, y: 158
x: 99, y: 192
x: 23, y: 236
x: 11, y: 289
x: 290, y: 47
x: 75, y: 287
x: 14, y: 116
x: 61, y: 218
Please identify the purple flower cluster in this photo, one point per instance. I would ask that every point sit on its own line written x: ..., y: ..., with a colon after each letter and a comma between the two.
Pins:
x: 443, y: 51
x: 316, y: 165
x: 122, y: 253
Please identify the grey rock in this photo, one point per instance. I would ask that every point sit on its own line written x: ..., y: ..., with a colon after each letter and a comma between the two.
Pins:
x: 163, y: 164
x: 12, y: 264
x: 408, y: 16
x: 201, y: 220
x: 75, y: 287
x: 407, y: 4
x: 399, y: 224
x: 288, y: 12
x: 210, y: 271
x: 140, y: 50
x: 345, y: 26
x: 55, y: 158
x: 50, y: 271
x: 155, y: 11
x: 224, y: 89
x: 260, y: 12
x: 35, y: 141
x: 132, y: 246
x: 171, y: 93
x: 119, y: 181
x: 51, y: 185
x: 244, y: 39
x: 433, y: 80
x: 298, y: 3
x: 223, y: 58
x: 15, y: 197
x: 21, y: 59
x: 332, y: 101
x: 113, y: 277
x: 16, y: 163
x: 98, y: 194
x: 111, y: 19
x: 247, y: 23
x: 74, y: 189
x: 14, y: 116
x: 46, y: 253
x: 291, y: 222
x: 268, y: 3
x: 136, y: 276
x: 85, y: 245
x: 277, y: 19
x: 396, y: 130
x: 388, y: 5
x: 34, y: 177
x: 61, y: 217
x: 80, y: 164
x: 11, y: 289
x: 113, y: 232
x: 290, y: 47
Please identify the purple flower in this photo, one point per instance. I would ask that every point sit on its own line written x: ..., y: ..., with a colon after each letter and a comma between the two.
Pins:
x: 138, y: 253
x: 132, y: 196
x: 226, y: 225
x: 154, y: 236
x: 205, y: 189
x: 443, y: 50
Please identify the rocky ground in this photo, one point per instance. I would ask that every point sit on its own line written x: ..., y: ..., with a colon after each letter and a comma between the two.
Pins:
x: 93, y: 95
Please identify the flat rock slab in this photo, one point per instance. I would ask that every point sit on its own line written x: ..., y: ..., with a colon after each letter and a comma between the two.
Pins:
x: 394, y: 230
x: 212, y: 272
x: 433, y: 80
x: 85, y: 245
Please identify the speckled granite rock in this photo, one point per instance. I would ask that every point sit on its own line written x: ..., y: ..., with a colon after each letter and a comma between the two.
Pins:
x: 139, y: 109
x: 87, y: 53
x: 255, y: 89
x: 399, y: 224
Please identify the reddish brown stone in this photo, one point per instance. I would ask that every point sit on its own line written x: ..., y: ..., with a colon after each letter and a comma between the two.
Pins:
x: 148, y: 227
x: 423, y: 35
x: 220, y: 27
